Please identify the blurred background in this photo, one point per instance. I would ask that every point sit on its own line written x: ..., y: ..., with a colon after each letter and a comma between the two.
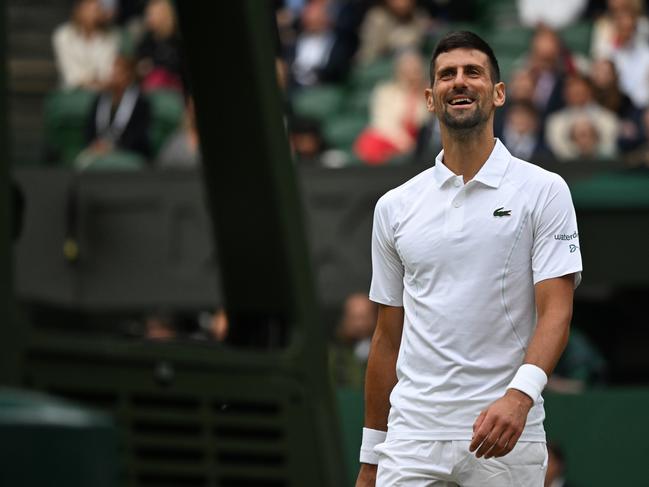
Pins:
x: 142, y: 325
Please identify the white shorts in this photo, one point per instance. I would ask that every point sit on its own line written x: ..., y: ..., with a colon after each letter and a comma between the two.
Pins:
x: 419, y: 463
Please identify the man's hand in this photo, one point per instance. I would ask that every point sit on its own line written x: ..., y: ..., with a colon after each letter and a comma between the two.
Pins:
x: 499, y: 427
x: 366, y: 476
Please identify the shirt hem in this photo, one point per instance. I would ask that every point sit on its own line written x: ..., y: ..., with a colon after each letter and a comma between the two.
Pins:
x: 453, y: 436
x: 387, y: 302
x: 551, y: 275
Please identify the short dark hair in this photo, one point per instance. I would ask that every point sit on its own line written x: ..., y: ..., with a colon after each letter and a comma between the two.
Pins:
x: 525, y: 105
x: 464, y: 39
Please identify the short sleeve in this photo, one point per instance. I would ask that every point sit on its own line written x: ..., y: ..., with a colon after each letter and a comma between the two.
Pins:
x: 555, y: 252
x: 387, y: 268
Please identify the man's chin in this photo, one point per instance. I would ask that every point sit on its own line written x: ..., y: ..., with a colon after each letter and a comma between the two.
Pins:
x: 462, y: 123
x: 464, y: 120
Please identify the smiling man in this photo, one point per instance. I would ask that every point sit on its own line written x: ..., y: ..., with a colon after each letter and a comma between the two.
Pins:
x: 475, y: 298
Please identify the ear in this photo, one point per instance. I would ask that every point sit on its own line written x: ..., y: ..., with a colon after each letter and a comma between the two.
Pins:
x: 430, y: 104
x: 499, y: 94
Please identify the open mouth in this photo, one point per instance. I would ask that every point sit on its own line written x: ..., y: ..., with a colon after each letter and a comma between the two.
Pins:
x: 460, y: 101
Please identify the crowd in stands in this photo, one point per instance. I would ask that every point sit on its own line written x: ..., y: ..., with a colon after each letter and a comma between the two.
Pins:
x: 577, y: 89
x: 121, y: 74
x: 352, y: 73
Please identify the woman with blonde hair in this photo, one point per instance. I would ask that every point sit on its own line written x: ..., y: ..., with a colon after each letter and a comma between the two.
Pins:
x: 397, y: 112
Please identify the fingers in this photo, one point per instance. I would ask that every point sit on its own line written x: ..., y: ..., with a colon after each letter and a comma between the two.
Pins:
x: 511, y: 443
x: 479, y: 421
x: 503, y: 445
x: 500, y: 447
x: 489, y: 443
x: 493, y: 437
x: 481, y: 431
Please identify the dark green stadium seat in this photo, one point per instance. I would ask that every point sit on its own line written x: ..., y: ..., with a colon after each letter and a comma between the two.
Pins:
x: 507, y: 66
x: 358, y: 101
x: 167, y: 108
x: 577, y: 37
x: 318, y: 102
x: 510, y: 41
x: 365, y: 77
x: 113, y: 161
x: 341, y: 131
x: 66, y: 114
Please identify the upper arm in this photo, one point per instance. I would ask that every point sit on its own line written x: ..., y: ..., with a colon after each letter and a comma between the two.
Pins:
x: 554, y: 297
x: 389, y: 325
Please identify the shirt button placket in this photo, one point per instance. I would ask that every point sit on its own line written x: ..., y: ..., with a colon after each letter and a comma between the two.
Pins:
x: 457, y: 212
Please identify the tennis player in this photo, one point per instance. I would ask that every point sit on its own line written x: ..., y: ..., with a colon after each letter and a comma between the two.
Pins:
x: 474, y: 263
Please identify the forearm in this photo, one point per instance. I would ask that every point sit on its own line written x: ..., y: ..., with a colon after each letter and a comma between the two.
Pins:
x: 554, y: 310
x: 549, y: 341
x: 380, y: 379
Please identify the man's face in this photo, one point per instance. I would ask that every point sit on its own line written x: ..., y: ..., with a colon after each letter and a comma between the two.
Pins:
x: 463, y: 95
x: 577, y: 92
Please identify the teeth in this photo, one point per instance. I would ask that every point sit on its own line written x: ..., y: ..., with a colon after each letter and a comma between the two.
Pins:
x: 460, y: 100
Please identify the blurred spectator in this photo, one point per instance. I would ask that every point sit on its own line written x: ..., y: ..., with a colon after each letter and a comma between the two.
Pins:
x: 522, y: 133
x: 554, y: 476
x: 639, y: 157
x: 605, y: 36
x: 159, y: 326
x: 182, y: 148
x: 572, y: 131
x: 520, y: 89
x: 313, y: 45
x: 548, y: 62
x: 120, y: 117
x: 347, y: 22
x: 556, y: 14
x: 608, y: 94
x: 446, y: 11
x: 521, y: 86
x: 429, y: 142
x: 158, y: 53
x: 124, y: 11
x: 392, y: 26
x: 352, y: 342
x: 397, y: 112
x: 586, y: 140
x: 606, y: 88
x: 630, y: 54
x: 213, y: 326
x: 305, y: 137
x: 287, y: 15
x: 309, y: 147
x: 85, y: 48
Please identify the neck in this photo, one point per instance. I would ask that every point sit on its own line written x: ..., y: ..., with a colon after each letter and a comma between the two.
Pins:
x: 465, y: 152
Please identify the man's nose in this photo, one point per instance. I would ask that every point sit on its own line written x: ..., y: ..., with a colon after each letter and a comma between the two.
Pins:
x: 460, y: 79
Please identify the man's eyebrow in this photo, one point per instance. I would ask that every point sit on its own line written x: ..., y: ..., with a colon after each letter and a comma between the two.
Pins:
x: 447, y: 69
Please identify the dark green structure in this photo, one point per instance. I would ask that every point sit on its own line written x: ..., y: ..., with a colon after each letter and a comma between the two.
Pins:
x: 48, y: 441
x: 258, y: 414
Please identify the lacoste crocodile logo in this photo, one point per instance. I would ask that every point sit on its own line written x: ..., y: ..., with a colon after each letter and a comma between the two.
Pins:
x: 502, y: 212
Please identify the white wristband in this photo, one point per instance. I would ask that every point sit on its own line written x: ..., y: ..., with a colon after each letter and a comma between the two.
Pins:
x: 529, y: 379
x: 371, y: 438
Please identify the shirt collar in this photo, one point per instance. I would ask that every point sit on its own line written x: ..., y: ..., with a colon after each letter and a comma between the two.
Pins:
x: 490, y: 174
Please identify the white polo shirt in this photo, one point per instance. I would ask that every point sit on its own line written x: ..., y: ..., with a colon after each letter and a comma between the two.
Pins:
x: 463, y: 259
